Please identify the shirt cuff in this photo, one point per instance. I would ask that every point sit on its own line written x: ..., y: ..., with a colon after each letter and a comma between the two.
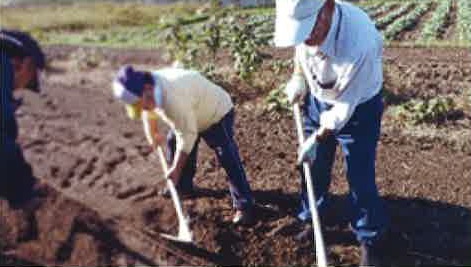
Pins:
x: 328, y: 120
x: 336, y: 117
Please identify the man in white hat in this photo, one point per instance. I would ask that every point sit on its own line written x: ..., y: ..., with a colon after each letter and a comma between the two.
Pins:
x: 194, y: 108
x: 338, y: 78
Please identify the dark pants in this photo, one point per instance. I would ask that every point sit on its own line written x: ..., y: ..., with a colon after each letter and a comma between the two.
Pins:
x: 358, y: 140
x: 16, y: 177
x: 220, y: 138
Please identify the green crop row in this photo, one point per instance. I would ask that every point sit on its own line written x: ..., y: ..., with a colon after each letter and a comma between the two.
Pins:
x: 464, y: 20
x: 382, y: 7
x: 406, y: 22
x: 371, y: 7
x: 390, y: 17
x: 436, y: 25
x: 436, y: 110
x: 263, y: 27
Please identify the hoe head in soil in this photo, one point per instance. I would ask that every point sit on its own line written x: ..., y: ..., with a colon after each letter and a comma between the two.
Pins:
x: 184, y: 233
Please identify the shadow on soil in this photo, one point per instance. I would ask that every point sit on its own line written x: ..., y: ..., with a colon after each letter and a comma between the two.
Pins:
x: 422, y: 232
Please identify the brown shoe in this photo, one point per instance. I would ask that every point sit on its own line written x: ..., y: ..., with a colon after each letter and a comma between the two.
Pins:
x: 244, y: 217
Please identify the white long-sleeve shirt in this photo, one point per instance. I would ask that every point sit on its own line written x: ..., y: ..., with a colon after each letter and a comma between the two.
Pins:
x: 346, y: 70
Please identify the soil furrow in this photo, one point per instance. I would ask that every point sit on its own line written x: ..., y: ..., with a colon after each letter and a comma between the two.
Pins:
x: 421, y: 178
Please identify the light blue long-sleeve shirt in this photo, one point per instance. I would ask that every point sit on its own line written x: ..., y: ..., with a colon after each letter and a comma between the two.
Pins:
x: 346, y: 69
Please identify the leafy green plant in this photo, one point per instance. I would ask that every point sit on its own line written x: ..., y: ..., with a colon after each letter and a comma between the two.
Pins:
x: 380, y: 8
x: 371, y: 7
x: 393, y: 15
x: 464, y: 20
x: 178, y: 43
x: 244, y: 50
x: 276, y: 100
x: 435, y: 111
x: 167, y: 22
x: 263, y: 27
x: 436, y: 25
x: 279, y: 65
x: 212, y: 36
x: 407, y: 22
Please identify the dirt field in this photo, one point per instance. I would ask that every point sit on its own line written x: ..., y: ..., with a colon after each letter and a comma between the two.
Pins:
x: 101, y: 204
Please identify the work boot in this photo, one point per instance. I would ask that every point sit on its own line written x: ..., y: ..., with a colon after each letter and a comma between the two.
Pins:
x: 244, y: 217
x: 370, y: 255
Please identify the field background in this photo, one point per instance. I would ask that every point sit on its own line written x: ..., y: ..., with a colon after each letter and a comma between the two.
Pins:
x: 101, y: 203
x: 134, y: 24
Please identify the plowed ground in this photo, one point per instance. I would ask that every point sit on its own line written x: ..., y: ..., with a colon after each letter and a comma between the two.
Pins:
x: 101, y: 204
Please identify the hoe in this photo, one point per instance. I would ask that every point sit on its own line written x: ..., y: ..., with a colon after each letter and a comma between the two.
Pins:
x: 318, y: 240
x: 184, y: 233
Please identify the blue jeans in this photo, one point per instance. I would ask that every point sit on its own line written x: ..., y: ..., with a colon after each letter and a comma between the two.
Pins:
x: 16, y: 176
x: 220, y: 138
x: 358, y: 140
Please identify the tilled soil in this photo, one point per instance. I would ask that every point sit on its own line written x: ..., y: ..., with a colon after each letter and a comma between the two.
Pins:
x: 103, y: 207
x: 424, y: 73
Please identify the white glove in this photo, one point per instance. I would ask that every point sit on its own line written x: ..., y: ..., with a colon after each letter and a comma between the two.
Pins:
x: 295, y: 89
x: 308, y: 150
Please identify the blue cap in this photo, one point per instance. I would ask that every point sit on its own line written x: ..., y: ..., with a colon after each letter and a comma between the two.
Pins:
x: 133, y: 81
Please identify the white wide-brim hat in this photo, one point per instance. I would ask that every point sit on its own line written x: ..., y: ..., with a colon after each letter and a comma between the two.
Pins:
x: 295, y: 20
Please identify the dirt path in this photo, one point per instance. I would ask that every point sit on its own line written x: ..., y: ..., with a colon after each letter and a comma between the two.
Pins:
x: 79, y: 141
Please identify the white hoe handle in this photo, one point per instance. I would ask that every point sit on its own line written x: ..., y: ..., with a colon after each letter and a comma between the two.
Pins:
x: 184, y: 229
x: 318, y: 239
x: 170, y: 185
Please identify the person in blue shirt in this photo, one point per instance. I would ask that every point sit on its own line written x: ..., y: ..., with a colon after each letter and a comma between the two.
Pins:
x: 338, y: 77
x: 22, y: 62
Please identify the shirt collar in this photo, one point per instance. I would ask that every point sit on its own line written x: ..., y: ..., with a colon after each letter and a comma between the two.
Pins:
x: 328, y: 46
x: 158, y: 90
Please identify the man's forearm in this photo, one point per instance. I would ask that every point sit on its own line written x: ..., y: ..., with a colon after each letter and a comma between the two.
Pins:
x: 151, y: 129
